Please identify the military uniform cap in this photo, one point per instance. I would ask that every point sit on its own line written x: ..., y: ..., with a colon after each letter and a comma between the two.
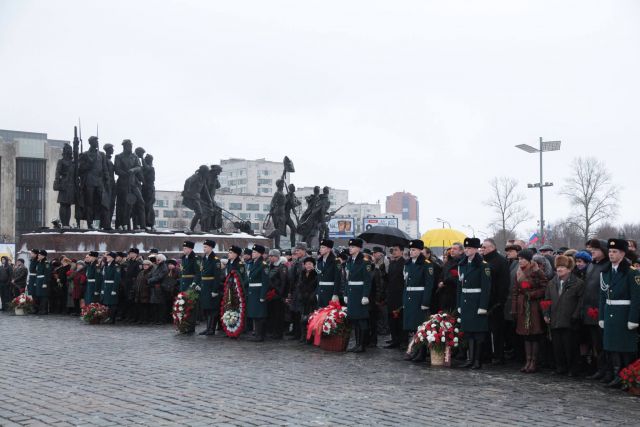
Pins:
x: 472, y: 242
x: 236, y: 249
x: 121, y: 254
x: 42, y: 252
x: 326, y: 242
x: 344, y: 254
x: 188, y: 244
x: 620, y: 244
x: 94, y: 254
x: 210, y: 243
x: 356, y: 242
x: 259, y: 248
x: 35, y: 251
x: 310, y: 259
x: 247, y: 251
x: 156, y: 251
x: 416, y: 244
x: 134, y: 250
x: 112, y: 254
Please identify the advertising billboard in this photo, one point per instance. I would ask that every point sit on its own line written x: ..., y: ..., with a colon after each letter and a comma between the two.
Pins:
x: 369, y: 222
x: 342, y: 228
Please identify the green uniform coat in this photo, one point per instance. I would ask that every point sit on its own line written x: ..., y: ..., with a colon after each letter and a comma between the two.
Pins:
x: 619, y: 304
x: 474, y: 291
x: 43, y: 276
x: 110, y: 284
x: 329, y: 276
x: 210, y: 282
x: 91, y: 293
x: 358, y: 275
x: 190, y: 272
x: 258, y: 287
x: 418, y: 279
x: 31, y: 282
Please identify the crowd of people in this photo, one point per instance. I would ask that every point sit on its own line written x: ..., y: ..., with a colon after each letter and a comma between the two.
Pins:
x: 573, y: 311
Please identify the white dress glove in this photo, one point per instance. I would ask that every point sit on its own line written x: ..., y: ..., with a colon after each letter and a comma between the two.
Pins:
x: 365, y: 301
x: 213, y: 294
x: 335, y: 298
x: 114, y: 293
x: 459, y: 310
x: 198, y: 288
x: 601, y: 324
x: 261, y: 300
x: 632, y: 326
x: 482, y: 311
x: 424, y: 307
x: 345, y: 300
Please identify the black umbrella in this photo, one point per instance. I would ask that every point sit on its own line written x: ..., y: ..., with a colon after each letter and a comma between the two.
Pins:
x: 386, y: 236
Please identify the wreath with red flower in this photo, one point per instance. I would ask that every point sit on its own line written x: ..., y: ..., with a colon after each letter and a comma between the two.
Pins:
x: 233, y: 306
x: 183, y: 315
x: 438, y: 333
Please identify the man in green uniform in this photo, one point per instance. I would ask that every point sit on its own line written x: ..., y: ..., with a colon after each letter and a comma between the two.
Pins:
x: 31, y: 282
x: 43, y: 276
x: 328, y: 274
x: 358, y: 275
x: 257, y: 293
x: 416, y: 299
x: 190, y: 268
x: 110, y: 285
x: 619, y: 310
x: 474, y: 291
x: 91, y: 292
x: 210, y: 283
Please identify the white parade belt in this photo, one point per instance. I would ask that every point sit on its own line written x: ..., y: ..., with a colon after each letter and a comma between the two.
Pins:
x: 356, y: 283
x: 255, y: 285
x: 91, y: 280
x: 325, y: 283
x: 108, y: 281
x: 471, y: 290
x: 40, y: 277
x: 618, y: 302
x: 415, y: 288
x: 32, y: 274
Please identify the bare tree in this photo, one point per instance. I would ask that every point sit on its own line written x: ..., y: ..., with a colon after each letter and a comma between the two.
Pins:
x: 565, y: 233
x: 631, y: 231
x: 591, y: 193
x: 506, y: 203
x: 606, y: 231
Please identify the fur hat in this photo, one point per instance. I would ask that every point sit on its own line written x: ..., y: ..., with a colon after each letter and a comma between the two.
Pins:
x: 526, y: 254
x: 326, y: 242
x: 356, y: 242
x: 416, y: 244
x: 565, y: 261
x: 188, y: 244
x: 620, y: 244
x: 472, y: 242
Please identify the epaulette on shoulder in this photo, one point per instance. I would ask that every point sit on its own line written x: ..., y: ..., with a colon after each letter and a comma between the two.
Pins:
x: 427, y: 261
x: 484, y: 262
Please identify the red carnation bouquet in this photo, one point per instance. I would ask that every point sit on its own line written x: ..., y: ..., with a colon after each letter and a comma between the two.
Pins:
x: 330, y: 320
x: 182, y: 314
x: 453, y: 273
x: 22, y: 302
x: 630, y: 375
x: 94, y: 313
x: 439, y: 332
x: 593, y: 313
x: 545, y: 304
x: 525, y: 285
x: 271, y: 294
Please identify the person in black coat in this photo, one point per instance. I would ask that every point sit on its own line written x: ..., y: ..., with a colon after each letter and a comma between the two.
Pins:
x: 445, y: 294
x: 395, y: 289
x: 130, y: 268
x: 307, y: 293
x: 500, y: 286
x: 278, y: 289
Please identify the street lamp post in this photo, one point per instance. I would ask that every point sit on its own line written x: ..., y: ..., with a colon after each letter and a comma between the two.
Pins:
x: 544, y: 146
x: 443, y: 221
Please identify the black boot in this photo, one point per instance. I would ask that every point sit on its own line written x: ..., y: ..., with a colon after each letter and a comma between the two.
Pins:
x: 472, y: 354
x: 477, y: 355
x: 259, y: 326
x: 361, y: 347
x: 356, y: 335
x: 616, y: 382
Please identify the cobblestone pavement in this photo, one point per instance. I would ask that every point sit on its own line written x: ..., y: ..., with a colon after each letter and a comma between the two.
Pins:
x: 58, y: 371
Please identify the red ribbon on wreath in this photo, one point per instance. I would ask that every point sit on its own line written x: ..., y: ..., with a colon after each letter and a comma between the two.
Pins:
x: 233, y: 284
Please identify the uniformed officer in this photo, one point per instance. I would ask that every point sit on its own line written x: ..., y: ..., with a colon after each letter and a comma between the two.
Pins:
x: 358, y: 275
x: 258, y: 278
x: 328, y: 274
x: 416, y: 298
x: 91, y: 292
x: 110, y: 285
x: 43, y: 276
x: 474, y: 291
x: 33, y: 261
x: 210, y: 282
x: 190, y: 268
x: 619, y: 308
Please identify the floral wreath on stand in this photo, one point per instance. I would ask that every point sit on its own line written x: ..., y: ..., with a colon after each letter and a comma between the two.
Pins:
x: 233, y: 306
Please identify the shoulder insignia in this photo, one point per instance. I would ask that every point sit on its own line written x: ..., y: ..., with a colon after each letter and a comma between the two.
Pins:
x: 637, y: 279
x: 368, y: 267
x: 431, y: 270
x: 427, y: 261
x: 264, y: 263
x: 487, y: 271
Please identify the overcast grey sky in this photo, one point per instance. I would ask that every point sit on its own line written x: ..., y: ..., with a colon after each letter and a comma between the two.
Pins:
x: 376, y: 97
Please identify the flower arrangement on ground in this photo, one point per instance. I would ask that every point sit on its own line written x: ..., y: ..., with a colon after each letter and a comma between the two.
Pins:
x: 183, y: 311
x: 233, y: 306
x: 22, y: 302
x: 94, y: 313
x: 328, y: 321
x: 438, y: 333
x: 630, y: 377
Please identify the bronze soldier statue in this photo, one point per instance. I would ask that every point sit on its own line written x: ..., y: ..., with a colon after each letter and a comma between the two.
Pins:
x: 309, y: 220
x: 149, y: 191
x: 64, y: 184
x: 138, y: 214
x: 213, y: 183
x: 277, y: 212
x: 192, y: 193
x: 110, y: 189
x: 323, y: 214
x: 290, y: 206
x: 126, y: 166
x: 94, y: 177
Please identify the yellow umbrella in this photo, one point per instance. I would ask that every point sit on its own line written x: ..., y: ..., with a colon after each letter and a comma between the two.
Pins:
x: 442, y: 237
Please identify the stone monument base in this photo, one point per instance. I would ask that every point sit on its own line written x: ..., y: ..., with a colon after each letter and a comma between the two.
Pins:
x: 76, y: 243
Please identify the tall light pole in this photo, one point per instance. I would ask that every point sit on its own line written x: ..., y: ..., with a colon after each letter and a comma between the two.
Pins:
x: 544, y: 146
x: 443, y: 221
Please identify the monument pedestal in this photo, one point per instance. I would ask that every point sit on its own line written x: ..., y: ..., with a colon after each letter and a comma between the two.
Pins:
x: 76, y: 243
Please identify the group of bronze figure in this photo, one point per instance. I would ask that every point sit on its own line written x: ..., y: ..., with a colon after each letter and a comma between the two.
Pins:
x: 88, y: 181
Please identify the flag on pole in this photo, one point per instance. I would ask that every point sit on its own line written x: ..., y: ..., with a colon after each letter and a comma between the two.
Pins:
x: 533, y: 239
